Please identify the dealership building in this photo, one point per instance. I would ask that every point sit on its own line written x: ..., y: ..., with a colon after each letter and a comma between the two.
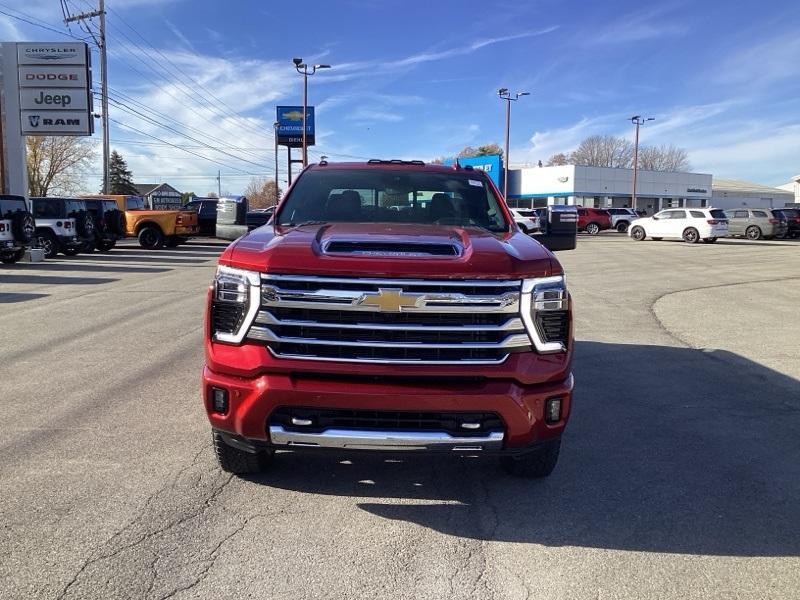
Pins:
x: 603, y: 187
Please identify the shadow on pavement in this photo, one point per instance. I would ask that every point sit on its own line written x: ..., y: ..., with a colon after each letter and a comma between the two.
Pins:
x: 669, y: 450
x: 145, y: 258
x: 15, y: 297
x: 53, y: 279
x: 67, y: 266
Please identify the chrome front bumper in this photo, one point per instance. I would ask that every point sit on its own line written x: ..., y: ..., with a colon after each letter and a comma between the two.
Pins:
x: 355, y: 439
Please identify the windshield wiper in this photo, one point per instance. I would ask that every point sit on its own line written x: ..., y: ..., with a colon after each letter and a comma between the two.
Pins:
x: 301, y: 223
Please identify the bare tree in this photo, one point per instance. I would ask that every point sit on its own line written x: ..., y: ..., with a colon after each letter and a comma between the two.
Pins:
x: 603, y: 151
x: 485, y: 150
x: 262, y: 193
x: 56, y: 165
x: 558, y: 160
x: 663, y: 158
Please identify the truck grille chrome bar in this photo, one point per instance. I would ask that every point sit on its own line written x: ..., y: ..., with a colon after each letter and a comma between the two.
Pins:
x: 390, y: 320
x: 356, y: 439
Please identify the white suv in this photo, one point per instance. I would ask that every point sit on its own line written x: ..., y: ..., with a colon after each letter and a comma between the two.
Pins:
x: 621, y: 218
x: 689, y: 224
x: 526, y: 218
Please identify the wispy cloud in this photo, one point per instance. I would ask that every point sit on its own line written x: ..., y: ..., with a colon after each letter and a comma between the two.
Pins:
x: 179, y: 35
x: 364, y: 113
x: 648, y: 24
x: 768, y: 62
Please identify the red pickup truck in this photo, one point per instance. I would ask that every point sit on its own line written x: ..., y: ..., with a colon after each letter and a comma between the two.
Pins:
x: 392, y: 306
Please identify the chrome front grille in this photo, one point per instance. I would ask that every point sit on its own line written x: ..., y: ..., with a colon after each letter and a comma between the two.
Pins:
x: 390, y: 320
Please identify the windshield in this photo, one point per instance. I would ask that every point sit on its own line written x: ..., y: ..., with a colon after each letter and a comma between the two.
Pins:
x: 392, y: 196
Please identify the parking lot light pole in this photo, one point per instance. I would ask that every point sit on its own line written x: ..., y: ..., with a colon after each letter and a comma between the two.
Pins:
x: 637, y: 120
x: 302, y: 68
x: 506, y: 95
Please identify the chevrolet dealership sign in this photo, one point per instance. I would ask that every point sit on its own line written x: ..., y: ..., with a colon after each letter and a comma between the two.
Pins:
x: 54, y: 88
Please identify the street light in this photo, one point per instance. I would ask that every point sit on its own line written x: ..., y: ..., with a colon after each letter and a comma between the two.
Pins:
x: 637, y: 120
x: 302, y: 68
x: 506, y: 95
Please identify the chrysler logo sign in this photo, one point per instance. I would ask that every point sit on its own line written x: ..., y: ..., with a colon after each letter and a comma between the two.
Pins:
x: 51, y: 53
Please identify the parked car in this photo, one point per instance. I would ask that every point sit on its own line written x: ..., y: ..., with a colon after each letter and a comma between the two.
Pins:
x: 756, y: 223
x: 206, y: 209
x: 109, y: 224
x: 378, y: 304
x: 17, y: 228
x: 621, y: 218
x: 526, y: 218
x: 689, y: 224
x: 593, y: 220
x: 154, y: 228
x: 792, y: 216
x: 62, y: 225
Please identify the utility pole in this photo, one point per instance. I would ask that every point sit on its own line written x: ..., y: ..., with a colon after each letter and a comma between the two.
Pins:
x: 275, y: 128
x: 637, y: 120
x: 302, y: 68
x: 101, y: 45
x: 219, y: 184
x: 506, y: 95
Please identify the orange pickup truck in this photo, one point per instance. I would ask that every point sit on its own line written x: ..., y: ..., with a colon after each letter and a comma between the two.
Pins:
x: 154, y: 228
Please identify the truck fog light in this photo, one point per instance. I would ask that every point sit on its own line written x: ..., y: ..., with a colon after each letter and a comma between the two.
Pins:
x: 219, y: 400
x: 552, y: 410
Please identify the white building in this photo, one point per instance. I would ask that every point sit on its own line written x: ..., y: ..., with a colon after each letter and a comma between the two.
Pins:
x: 731, y: 193
x: 603, y: 187
x: 794, y: 187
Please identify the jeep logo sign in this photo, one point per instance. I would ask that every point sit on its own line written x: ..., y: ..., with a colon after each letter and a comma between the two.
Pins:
x: 53, y: 99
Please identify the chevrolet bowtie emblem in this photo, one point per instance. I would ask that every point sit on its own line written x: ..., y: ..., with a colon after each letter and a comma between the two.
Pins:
x: 390, y: 299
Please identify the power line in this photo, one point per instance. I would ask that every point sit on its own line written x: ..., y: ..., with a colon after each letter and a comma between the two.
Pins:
x: 180, y: 73
x: 143, y: 116
x: 140, y: 132
x: 36, y: 22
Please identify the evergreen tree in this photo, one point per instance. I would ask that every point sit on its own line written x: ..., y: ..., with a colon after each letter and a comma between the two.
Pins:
x: 120, y: 178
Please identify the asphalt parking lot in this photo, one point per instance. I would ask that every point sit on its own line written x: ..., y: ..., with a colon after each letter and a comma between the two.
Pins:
x: 679, y: 475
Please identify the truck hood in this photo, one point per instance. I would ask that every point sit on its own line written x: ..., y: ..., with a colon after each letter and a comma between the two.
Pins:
x: 390, y: 250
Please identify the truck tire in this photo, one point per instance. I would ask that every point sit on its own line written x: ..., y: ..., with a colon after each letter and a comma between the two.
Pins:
x: 638, y: 234
x: 49, y: 243
x: 150, y: 237
x: 622, y: 226
x: 239, y: 462
x: 23, y: 225
x: 12, y: 258
x: 534, y: 465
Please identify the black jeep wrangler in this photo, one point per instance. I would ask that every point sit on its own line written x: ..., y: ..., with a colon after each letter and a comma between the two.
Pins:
x: 17, y: 228
x: 109, y: 224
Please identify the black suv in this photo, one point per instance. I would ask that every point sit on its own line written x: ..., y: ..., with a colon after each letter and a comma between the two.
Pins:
x: 17, y: 228
x: 62, y: 225
x: 792, y: 220
x: 109, y: 224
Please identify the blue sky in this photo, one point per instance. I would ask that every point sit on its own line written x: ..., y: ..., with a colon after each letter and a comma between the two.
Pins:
x: 418, y: 79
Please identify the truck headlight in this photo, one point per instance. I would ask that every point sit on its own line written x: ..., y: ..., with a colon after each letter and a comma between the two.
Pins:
x: 234, y: 303
x: 544, y: 305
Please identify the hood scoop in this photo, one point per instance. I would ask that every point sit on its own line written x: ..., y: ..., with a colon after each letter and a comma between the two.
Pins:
x: 386, y: 248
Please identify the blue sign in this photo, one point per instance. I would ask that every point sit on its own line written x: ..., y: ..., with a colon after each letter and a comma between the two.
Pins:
x: 492, y: 165
x: 290, y: 126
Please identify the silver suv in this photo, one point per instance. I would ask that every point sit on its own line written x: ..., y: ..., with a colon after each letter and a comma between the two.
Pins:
x: 621, y: 218
x: 756, y: 223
